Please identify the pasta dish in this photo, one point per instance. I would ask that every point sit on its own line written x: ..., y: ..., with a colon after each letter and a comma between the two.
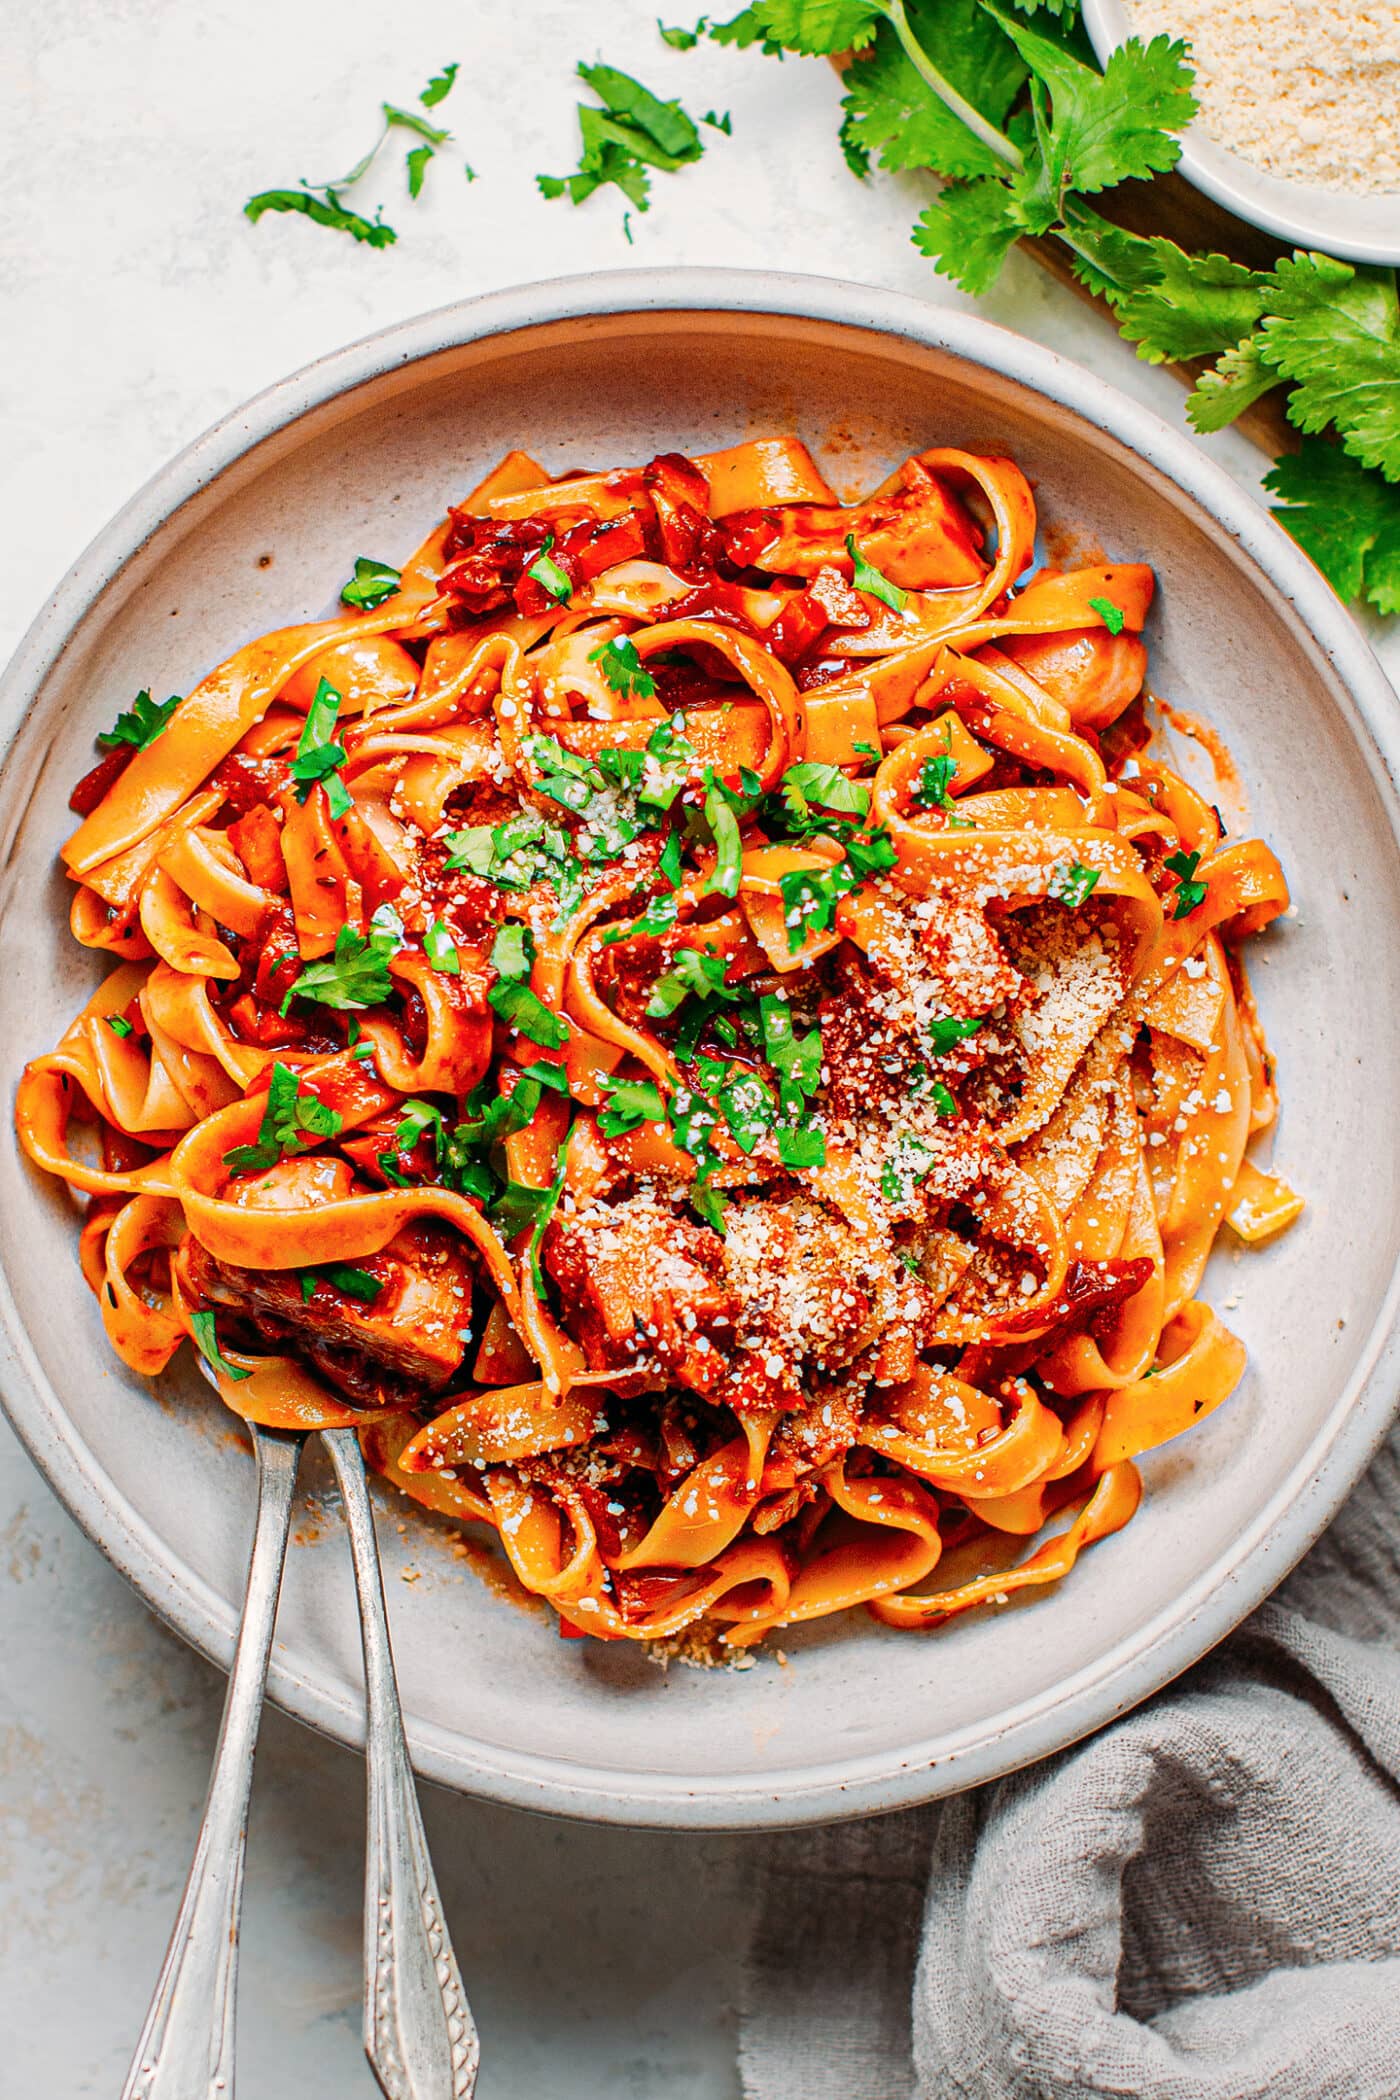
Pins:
x: 697, y: 1017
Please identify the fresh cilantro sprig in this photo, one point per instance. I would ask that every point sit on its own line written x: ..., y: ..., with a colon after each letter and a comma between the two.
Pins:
x: 141, y: 723
x: 291, y: 1121
x: 1189, y: 893
x: 623, y: 668
x: 1024, y: 129
x: 323, y: 202
x: 633, y: 132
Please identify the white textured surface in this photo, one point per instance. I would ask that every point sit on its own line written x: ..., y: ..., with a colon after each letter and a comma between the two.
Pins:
x: 138, y: 306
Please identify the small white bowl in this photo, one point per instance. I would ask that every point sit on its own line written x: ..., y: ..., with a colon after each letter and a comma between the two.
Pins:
x: 253, y: 527
x: 1362, y: 229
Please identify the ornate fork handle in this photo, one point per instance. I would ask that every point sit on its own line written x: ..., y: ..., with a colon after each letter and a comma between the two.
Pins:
x: 419, y: 2033
x: 186, y: 2046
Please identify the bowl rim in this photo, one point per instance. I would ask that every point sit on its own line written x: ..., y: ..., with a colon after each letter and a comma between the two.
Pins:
x: 1301, y: 212
x: 1189, y: 1623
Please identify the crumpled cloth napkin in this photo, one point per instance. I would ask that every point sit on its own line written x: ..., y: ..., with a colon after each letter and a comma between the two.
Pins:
x: 1200, y: 1903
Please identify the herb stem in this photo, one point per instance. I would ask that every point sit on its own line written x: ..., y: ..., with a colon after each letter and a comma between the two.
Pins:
x: 995, y: 141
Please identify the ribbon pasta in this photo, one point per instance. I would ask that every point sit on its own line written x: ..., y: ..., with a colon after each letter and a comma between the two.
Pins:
x: 697, y: 1019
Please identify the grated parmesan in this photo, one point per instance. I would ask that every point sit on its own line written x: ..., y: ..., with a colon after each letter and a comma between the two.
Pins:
x: 1309, y: 94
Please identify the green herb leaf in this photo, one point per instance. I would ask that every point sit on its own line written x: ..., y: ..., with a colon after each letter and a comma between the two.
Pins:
x: 932, y: 786
x: 441, y: 949
x: 519, y: 1008
x: 1335, y: 331
x: 291, y: 1121
x: 118, y: 1024
x: 892, y: 112
x: 810, y: 897
x: 716, y: 122
x: 968, y: 231
x: 1233, y: 382
x: 439, y: 87
x: 724, y: 829
x: 911, y: 1161
x: 868, y: 578
x: 813, y: 27
x: 318, y: 755
x: 948, y: 1030
x: 513, y: 951
x: 417, y: 166
x: 1071, y: 883
x: 1188, y: 893
x: 630, y: 1102
x: 548, y: 574
x: 827, y: 785
x: 690, y: 972
x: 323, y: 210
x: 749, y: 1109
x: 357, y: 974
x: 623, y: 668
x: 141, y: 723
x: 803, y: 1146
x: 1345, y: 517
x: 344, y: 1277
x: 206, y: 1340
x: 1112, y: 615
x: 681, y: 39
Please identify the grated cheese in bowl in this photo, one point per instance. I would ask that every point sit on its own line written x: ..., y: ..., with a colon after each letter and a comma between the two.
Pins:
x: 1306, y: 93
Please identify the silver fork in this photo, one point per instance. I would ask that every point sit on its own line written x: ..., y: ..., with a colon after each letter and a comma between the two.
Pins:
x: 418, y: 2030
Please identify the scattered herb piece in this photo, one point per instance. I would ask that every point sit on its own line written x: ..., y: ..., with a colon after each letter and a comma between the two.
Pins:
x: 441, y: 949
x: 318, y: 754
x: 1189, y: 893
x: 372, y: 582
x: 933, y: 786
x: 1112, y: 615
x: 690, y: 972
x: 356, y: 975
x: 681, y: 39
x: 519, y: 1008
x: 118, y: 1024
x: 632, y: 132
x: 1071, y: 883
x: 948, y: 1030
x: 631, y: 1102
x: 344, y: 1277
x: 547, y: 573
x: 439, y: 87
x: 206, y: 1340
x: 810, y: 781
x: 291, y: 1121
x: 623, y: 668
x: 869, y: 579
x: 141, y: 723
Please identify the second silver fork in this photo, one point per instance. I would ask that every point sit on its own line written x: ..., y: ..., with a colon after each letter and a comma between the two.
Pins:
x: 418, y: 2030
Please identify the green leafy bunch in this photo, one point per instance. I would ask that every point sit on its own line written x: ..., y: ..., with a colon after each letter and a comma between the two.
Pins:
x: 1009, y: 108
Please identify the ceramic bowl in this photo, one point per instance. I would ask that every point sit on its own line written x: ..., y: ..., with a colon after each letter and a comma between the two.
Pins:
x: 1361, y: 228
x: 254, y: 526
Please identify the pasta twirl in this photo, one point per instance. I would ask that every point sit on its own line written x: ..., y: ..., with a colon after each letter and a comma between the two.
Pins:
x: 699, y: 1022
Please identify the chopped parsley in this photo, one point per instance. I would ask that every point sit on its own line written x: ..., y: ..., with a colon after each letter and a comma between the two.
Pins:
x: 796, y: 1059
x: 141, y: 723
x: 513, y: 951
x: 118, y: 1024
x: 690, y: 972
x: 291, y: 1122
x: 749, y: 1109
x: 934, y: 784
x: 206, y: 1340
x: 869, y: 579
x: 1071, y: 883
x: 517, y: 854
x: 439, y: 87
x: 810, y: 897
x: 723, y: 821
x: 356, y: 975
x: 680, y: 39
x: 546, y: 572
x: 1189, y: 892
x: 1112, y: 615
x: 344, y: 1277
x: 631, y: 1102
x: 623, y: 668
x: 373, y: 581
x: 633, y: 132
x: 323, y: 202
x: 947, y: 1030
x: 319, y: 756
x: 810, y: 781
x: 528, y: 1015
x: 441, y: 949
x: 910, y: 1162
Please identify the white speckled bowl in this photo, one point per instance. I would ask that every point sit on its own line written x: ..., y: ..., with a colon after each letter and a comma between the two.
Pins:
x: 1363, y: 229
x: 358, y: 455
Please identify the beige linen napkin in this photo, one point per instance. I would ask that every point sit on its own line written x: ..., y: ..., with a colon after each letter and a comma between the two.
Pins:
x: 1200, y: 1903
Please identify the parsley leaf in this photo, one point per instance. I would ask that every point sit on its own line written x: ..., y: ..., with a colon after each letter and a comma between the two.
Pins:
x: 141, y: 723
x: 1112, y: 615
x: 1189, y: 893
x: 324, y: 210
x: 318, y: 756
x: 892, y: 112
x: 811, y: 781
x: 910, y: 1161
x: 521, y: 1010
x: 439, y: 87
x: 690, y: 972
x: 356, y: 975
x: 813, y: 27
x: 1071, y: 883
x: 417, y: 166
x: 547, y: 573
x: 630, y: 1102
x: 344, y: 1277
x: 933, y: 786
x: 623, y: 668
x: 513, y: 951
x: 681, y: 39
x: 291, y: 1121
x: 1335, y: 331
x: 968, y: 232
x: 206, y: 1340
x: 868, y: 578
x: 810, y: 897
x: 441, y: 949
x: 118, y: 1024
x: 724, y: 829
x: 373, y: 581
x: 1345, y: 517
x: 946, y: 1031
x: 634, y: 130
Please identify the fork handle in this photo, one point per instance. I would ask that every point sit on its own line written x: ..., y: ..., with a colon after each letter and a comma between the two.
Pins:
x: 186, y: 2046
x: 419, y: 2034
